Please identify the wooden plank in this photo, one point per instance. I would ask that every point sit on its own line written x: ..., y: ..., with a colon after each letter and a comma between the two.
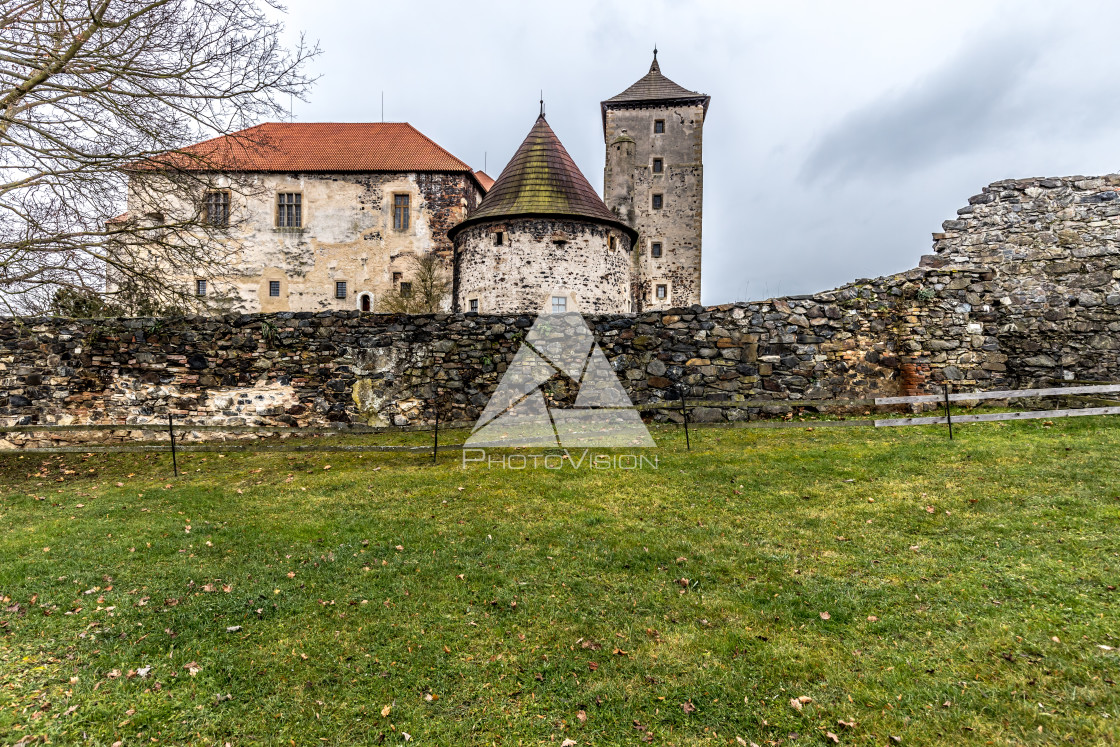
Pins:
x: 1011, y: 394
x: 997, y: 416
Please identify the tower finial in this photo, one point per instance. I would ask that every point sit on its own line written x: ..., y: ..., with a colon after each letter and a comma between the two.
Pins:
x: 542, y: 102
x: 654, y: 67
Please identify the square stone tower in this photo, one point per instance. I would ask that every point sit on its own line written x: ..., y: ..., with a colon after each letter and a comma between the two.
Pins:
x: 654, y: 182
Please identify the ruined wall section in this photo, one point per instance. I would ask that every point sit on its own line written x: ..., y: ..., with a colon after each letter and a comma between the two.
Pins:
x: 1053, y: 247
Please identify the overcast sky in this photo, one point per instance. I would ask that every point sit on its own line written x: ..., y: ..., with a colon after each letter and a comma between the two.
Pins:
x: 839, y: 136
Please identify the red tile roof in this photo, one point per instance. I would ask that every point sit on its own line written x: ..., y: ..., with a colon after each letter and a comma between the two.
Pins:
x: 484, y: 179
x: 320, y: 146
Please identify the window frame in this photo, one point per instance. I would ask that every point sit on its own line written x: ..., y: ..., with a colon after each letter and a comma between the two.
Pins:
x: 656, y: 248
x: 658, y: 289
x: 559, y: 304
x: 658, y: 166
x: 289, y: 214
x: 200, y: 287
x: 472, y: 305
x: 499, y: 238
x: 659, y: 127
x: 658, y: 201
x: 208, y: 203
x: 271, y: 285
x: 405, y: 289
x: 341, y: 290
x: 402, y: 211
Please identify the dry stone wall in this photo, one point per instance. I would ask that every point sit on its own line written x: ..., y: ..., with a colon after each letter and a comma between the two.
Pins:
x: 1023, y: 288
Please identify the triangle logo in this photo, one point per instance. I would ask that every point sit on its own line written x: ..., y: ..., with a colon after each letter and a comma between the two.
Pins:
x: 518, y: 415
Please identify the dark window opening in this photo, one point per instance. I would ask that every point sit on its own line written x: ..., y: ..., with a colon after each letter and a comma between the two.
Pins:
x: 499, y: 238
x: 655, y: 249
x: 658, y: 165
x: 397, y: 277
x: 474, y: 305
x: 200, y: 287
x: 274, y: 287
x: 340, y: 289
x: 406, y: 290
x: 659, y: 126
x: 400, y: 212
x: 289, y: 210
x: 217, y: 208
x: 365, y: 302
x: 658, y: 201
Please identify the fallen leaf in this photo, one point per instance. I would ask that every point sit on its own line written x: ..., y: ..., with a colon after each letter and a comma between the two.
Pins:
x: 566, y: 742
x: 386, y: 711
x: 192, y: 668
x: 795, y: 704
x: 582, y: 716
x: 872, y: 619
x: 592, y: 665
x: 833, y: 737
x: 233, y: 629
x: 826, y: 616
x: 688, y: 707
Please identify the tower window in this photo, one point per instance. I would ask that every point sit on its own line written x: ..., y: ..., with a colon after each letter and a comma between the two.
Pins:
x: 559, y: 304
x: 400, y: 212
x: 340, y: 289
x: 658, y: 165
x: 655, y: 249
x: 658, y: 126
x: 274, y: 288
x: 217, y: 208
x: 289, y: 210
x: 474, y: 305
x: 662, y: 292
x: 658, y: 201
x: 200, y: 287
x: 367, y: 304
x: 610, y: 243
x: 397, y: 277
x: 406, y: 290
x: 499, y: 238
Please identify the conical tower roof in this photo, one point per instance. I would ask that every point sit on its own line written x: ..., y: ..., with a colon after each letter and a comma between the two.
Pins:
x: 541, y: 180
x: 654, y: 88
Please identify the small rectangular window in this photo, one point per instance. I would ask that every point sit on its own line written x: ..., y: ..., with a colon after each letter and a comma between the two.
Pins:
x: 659, y: 126
x: 658, y: 201
x: 274, y: 288
x: 400, y: 212
x: 499, y: 238
x: 397, y: 277
x: 340, y: 289
x: 474, y: 305
x: 610, y: 243
x: 559, y: 304
x: 289, y: 210
x: 662, y: 292
x: 658, y: 165
x: 200, y: 287
x: 655, y: 249
x: 217, y: 208
x: 406, y: 290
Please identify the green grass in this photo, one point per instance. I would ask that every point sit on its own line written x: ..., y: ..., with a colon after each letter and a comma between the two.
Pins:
x: 968, y: 586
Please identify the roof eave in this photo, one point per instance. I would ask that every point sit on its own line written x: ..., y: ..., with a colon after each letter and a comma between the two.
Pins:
x: 703, y: 98
x: 474, y: 221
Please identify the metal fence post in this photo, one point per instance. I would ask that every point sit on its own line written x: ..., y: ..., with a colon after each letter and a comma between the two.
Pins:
x: 171, y: 430
x: 948, y: 412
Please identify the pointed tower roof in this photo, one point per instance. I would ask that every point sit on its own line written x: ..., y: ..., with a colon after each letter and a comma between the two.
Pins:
x: 541, y: 180
x: 653, y: 88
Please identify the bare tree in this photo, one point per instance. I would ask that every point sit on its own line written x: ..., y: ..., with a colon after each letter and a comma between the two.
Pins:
x: 93, y: 92
x: 426, y: 290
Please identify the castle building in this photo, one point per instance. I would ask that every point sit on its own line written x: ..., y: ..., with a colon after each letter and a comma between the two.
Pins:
x: 542, y: 240
x: 326, y: 216
x: 654, y: 181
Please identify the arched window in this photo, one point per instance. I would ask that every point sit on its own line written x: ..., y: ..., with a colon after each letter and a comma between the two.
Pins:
x: 365, y: 302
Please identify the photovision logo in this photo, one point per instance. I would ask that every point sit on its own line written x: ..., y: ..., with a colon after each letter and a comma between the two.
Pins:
x: 560, y: 347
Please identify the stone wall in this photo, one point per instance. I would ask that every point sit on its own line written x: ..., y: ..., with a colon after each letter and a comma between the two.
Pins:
x: 1022, y: 289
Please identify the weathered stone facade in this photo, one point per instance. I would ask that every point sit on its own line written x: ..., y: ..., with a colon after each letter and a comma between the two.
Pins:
x: 1023, y: 289
x: 653, y: 180
x: 347, y: 235
x: 587, y: 264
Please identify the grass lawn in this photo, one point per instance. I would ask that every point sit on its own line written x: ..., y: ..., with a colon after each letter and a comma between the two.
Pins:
x: 937, y: 592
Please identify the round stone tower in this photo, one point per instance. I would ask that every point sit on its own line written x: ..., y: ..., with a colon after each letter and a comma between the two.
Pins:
x: 542, y: 240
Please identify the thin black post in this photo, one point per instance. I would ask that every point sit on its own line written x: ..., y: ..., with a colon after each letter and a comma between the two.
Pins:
x: 684, y: 412
x: 435, y: 443
x: 948, y: 413
x: 171, y: 430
